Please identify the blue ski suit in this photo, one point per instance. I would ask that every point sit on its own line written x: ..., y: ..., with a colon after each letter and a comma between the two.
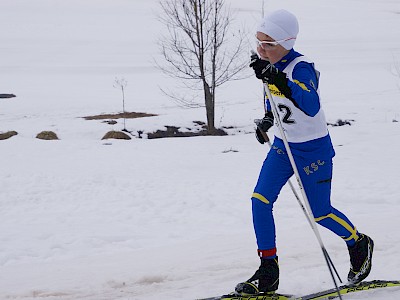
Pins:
x: 306, y: 130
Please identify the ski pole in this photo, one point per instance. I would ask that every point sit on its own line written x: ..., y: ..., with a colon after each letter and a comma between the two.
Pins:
x: 308, y: 212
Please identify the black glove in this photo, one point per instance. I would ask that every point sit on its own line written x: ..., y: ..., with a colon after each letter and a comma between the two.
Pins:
x: 268, y: 73
x: 263, y: 68
x: 260, y: 136
x: 263, y: 125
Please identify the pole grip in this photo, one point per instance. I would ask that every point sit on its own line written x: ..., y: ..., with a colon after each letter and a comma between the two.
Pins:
x: 264, y: 134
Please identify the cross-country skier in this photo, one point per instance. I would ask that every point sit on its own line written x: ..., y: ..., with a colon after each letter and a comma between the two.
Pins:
x: 294, y: 84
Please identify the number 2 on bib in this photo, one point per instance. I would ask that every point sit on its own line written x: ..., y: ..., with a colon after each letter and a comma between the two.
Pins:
x: 288, y: 113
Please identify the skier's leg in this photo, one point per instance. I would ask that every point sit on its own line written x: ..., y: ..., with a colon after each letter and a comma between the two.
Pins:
x: 275, y: 171
x: 316, y: 178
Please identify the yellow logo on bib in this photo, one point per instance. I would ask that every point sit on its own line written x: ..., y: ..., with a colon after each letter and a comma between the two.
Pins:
x: 275, y: 91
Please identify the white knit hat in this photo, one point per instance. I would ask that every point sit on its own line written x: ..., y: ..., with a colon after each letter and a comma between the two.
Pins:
x: 280, y: 25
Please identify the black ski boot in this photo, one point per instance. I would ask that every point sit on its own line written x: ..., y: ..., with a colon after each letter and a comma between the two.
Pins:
x: 265, y: 280
x: 360, y: 259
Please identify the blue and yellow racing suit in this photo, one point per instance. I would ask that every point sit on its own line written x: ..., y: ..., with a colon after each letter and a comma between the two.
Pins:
x: 305, y: 128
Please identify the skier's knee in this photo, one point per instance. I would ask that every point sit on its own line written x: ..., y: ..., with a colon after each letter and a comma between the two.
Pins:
x: 259, y: 197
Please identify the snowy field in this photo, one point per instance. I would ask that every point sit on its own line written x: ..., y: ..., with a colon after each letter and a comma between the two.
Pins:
x: 81, y: 218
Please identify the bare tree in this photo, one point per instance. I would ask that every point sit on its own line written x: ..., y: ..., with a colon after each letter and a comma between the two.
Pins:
x: 200, y: 49
x: 121, y: 84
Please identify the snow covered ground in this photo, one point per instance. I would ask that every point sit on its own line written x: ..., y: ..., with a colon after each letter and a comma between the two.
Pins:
x: 81, y: 218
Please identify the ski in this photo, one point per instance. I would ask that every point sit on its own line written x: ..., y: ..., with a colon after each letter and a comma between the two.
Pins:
x: 254, y: 297
x: 347, y: 289
x: 326, y: 294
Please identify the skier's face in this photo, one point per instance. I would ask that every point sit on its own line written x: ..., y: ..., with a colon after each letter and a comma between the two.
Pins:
x: 269, y: 51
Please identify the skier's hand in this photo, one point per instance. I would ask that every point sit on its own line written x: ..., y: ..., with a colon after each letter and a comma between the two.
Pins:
x: 261, y: 136
x: 268, y: 73
x: 263, y: 69
x: 265, y: 123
